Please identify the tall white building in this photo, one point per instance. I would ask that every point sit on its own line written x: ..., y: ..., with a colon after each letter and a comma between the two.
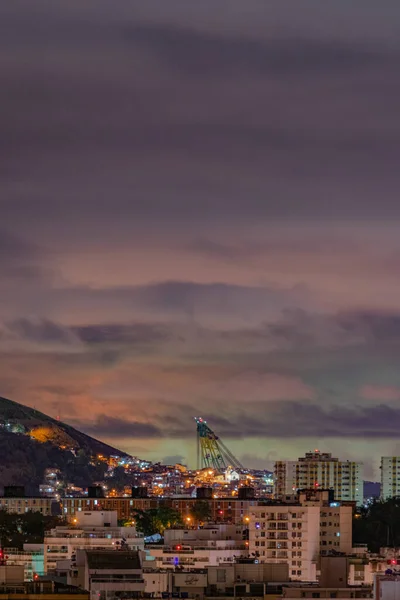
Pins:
x: 300, y: 532
x: 320, y: 470
x: 390, y: 477
x: 287, y: 534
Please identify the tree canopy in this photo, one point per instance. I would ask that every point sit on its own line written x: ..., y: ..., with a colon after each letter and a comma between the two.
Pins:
x: 18, y: 529
x: 378, y: 524
x: 156, y: 520
x: 200, y: 511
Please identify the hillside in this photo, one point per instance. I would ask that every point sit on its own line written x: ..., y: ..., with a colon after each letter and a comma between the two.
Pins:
x: 31, y: 441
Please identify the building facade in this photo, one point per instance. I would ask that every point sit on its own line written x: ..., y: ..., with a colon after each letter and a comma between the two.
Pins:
x: 108, y: 574
x: 390, y: 477
x: 23, y: 504
x: 287, y: 534
x: 320, y: 470
x: 97, y: 530
x: 231, y: 510
x: 299, y: 533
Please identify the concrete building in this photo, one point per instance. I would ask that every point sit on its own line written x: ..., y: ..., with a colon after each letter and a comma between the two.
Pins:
x: 222, y: 510
x: 312, y: 592
x: 320, y: 470
x: 207, y: 535
x: 108, y: 574
x: 231, y: 510
x: 390, y: 477
x: 387, y: 587
x: 23, y: 504
x: 287, y: 534
x: 224, y: 578
x: 299, y: 532
x: 182, y: 583
x: 13, y: 587
x: 31, y: 559
x: 97, y: 530
x: 194, y: 556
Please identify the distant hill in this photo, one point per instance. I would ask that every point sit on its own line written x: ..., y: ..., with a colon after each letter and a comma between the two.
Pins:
x: 31, y: 441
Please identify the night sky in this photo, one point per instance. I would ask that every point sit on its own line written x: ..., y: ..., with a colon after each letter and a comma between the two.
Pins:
x: 199, y: 214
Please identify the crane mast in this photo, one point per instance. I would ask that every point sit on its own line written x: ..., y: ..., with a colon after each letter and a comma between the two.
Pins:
x: 211, y: 451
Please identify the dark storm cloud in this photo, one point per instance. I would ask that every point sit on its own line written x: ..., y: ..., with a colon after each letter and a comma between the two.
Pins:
x: 118, y: 427
x: 378, y: 421
x: 201, y: 53
x: 215, y: 298
x: 149, y: 154
x: 271, y: 420
x: 138, y: 333
x: 180, y: 300
x: 14, y: 248
x: 301, y: 329
x: 41, y: 331
x: 234, y: 123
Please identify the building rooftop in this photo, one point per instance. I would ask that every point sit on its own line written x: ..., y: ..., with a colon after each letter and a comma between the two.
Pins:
x: 116, y: 559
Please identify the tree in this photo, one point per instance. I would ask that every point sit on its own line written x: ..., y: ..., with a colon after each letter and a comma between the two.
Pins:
x: 200, y: 511
x: 378, y: 524
x: 18, y: 529
x: 156, y: 520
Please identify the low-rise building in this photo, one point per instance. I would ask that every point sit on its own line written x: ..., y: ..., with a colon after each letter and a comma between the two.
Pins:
x: 386, y: 587
x: 108, y: 574
x: 211, y: 532
x: 194, y: 556
x: 13, y: 587
x: 312, y: 592
x: 31, y: 559
x: 97, y: 530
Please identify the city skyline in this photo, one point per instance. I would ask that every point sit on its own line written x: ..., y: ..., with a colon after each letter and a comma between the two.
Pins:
x: 199, y: 215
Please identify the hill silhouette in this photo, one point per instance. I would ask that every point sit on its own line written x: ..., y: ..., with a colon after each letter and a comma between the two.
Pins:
x: 31, y: 441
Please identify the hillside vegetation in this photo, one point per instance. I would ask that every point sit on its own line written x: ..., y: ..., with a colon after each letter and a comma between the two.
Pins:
x: 31, y: 441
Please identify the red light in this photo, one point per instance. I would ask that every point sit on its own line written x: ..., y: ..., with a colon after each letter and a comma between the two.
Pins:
x: 394, y: 562
x: 221, y: 512
x: 179, y: 547
x: 36, y: 576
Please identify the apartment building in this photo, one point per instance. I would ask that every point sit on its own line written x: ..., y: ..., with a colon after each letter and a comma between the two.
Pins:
x: 231, y: 510
x: 390, y: 477
x: 23, y: 504
x: 299, y: 532
x: 287, y: 534
x: 320, y: 470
